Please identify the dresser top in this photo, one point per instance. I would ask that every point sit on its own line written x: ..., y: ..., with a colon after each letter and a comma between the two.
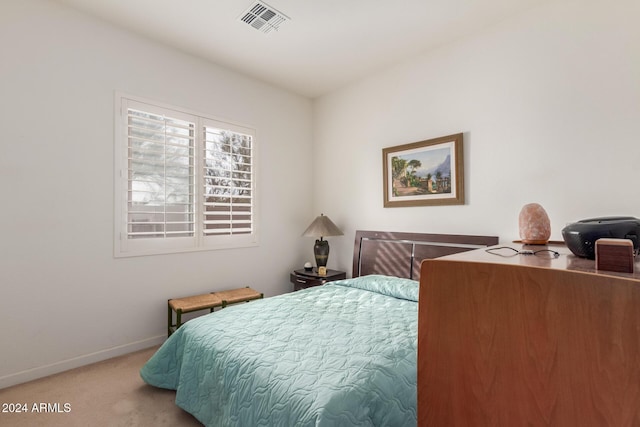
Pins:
x: 566, y: 260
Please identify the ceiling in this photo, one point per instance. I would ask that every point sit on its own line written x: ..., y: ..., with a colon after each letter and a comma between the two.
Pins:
x: 324, y: 45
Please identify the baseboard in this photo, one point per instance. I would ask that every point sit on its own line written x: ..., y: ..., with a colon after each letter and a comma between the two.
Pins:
x: 76, y: 362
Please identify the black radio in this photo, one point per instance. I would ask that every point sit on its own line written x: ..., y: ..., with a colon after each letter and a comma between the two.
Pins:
x: 581, y: 236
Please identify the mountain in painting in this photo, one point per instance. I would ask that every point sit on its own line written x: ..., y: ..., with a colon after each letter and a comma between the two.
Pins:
x: 444, y: 168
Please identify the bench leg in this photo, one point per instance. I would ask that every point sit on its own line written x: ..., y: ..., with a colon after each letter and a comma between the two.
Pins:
x: 170, y: 323
x: 169, y: 319
x: 178, y: 318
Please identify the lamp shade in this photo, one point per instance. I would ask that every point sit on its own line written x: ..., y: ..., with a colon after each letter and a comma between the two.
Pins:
x: 322, y: 226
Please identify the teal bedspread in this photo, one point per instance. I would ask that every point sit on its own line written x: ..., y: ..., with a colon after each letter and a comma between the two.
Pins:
x: 341, y: 354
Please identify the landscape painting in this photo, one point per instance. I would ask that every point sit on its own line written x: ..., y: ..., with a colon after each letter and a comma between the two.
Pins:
x: 424, y: 173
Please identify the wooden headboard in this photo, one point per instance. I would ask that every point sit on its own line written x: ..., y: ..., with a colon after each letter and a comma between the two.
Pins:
x: 400, y: 254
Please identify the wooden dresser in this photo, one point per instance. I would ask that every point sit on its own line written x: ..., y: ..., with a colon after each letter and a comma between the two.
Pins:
x: 527, y: 340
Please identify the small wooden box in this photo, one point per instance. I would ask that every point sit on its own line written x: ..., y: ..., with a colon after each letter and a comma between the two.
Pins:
x: 614, y: 255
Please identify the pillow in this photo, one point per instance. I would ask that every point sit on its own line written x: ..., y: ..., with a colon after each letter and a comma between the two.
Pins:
x: 395, y: 287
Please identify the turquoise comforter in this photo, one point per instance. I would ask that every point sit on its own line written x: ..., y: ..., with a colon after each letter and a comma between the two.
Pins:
x: 341, y: 354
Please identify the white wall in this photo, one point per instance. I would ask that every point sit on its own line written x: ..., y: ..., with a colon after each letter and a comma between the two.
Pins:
x: 549, y: 104
x: 66, y: 300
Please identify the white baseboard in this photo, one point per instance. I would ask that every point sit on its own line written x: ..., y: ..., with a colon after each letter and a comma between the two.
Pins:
x: 76, y: 362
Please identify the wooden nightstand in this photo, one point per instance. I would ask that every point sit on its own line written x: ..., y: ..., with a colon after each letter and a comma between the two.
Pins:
x: 303, y: 279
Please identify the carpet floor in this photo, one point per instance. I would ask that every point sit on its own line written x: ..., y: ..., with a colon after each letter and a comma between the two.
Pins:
x: 109, y: 393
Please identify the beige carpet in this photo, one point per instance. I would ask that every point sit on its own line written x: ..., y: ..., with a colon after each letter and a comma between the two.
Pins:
x: 109, y: 393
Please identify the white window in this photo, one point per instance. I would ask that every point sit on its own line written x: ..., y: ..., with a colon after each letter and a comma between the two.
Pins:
x: 183, y: 181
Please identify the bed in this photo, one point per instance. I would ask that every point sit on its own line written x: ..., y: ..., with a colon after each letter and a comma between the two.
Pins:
x: 334, y: 355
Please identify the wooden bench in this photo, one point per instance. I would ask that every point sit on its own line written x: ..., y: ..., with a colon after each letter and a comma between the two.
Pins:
x: 235, y: 296
x: 206, y: 301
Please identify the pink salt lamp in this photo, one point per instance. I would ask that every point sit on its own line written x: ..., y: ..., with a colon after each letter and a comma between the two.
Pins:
x: 535, y: 227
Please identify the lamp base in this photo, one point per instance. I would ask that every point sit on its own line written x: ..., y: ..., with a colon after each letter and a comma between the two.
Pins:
x: 321, y: 252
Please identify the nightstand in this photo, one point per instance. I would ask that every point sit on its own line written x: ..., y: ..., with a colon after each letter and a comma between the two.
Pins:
x: 303, y: 279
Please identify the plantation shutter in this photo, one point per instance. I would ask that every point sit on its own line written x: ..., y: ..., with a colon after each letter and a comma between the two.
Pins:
x: 160, y: 175
x: 228, y: 180
x: 184, y: 181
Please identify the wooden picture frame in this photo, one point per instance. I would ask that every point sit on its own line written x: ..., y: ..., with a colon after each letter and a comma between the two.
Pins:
x: 424, y: 173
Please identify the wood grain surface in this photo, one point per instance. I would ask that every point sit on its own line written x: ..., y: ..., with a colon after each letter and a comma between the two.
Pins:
x: 513, y: 345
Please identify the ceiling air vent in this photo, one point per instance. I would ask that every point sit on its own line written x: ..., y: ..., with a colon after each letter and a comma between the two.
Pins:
x: 263, y: 17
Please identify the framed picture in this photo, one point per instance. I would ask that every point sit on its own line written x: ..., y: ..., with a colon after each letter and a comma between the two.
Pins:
x: 424, y: 173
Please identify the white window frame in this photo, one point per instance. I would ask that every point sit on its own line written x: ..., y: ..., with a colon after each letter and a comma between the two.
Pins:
x: 126, y: 247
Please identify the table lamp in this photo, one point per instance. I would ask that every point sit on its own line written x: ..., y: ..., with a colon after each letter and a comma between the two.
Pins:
x: 322, y: 227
